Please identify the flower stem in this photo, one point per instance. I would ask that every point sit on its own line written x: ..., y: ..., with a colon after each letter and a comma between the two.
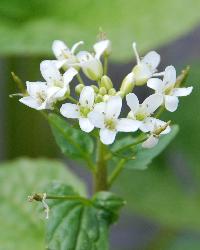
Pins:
x: 100, y: 176
x: 78, y: 76
x: 116, y: 172
x: 105, y: 65
x: 72, y: 99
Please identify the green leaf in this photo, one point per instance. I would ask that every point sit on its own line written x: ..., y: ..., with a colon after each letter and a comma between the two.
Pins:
x: 24, y: 23
x: 79, y: 225
x: 22, y: 224
x: 73, y: 142
x: 143, y: 157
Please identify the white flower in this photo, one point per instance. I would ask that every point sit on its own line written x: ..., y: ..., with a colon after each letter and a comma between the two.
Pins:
x: 91, y: 66
x: 55, y: 80
x: 146, y: 67
x: 167, y: 88
x: 39, y: 96
x: 102, y: 47
x: 82, y: 109
x: 65, y: 56
x: 106, y: 117
x: 159, y: 128
x: 142, y: 112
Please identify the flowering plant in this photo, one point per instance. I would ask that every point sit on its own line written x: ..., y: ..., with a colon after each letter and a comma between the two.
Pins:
x: 98, y: 131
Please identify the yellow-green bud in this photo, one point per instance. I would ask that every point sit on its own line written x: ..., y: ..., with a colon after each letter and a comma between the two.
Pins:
x: 96, y: 89
x: 102, y: 91
x: 105, y: 98
x: 93, y: 69
x: 106, y: 82
x: 140, y: 77
x: 120, y: 93
x: 98, y: 98
x: 128, y: 84
x: 112, y: 91
x: 79, y: 88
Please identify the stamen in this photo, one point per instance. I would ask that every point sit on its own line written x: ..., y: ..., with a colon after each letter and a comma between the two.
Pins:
x: 75, y: 46
x: 136, y: 53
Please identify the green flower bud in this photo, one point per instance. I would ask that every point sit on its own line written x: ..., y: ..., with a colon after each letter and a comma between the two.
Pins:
x: 96, y: 89
x: 106, y: 82
x: 112, y: 91
x: 102, y: 91
x: 98, y: 98
x: 128, y: 84
x: 79, y: 88
x: 120, y: 93
x: 93, y: 69
x: 105, y: 98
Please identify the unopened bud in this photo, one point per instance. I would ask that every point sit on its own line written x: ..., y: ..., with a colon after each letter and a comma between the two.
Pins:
x: 128, y: 84
x: 105, y: 98
x: 79, y: 88
x: 106, y: 82
x: 96, y: 89
x: 98, y: 98
x: 112, y: 91
x: 102, y: 91
x: 120, y: 93
x: 93, y: 69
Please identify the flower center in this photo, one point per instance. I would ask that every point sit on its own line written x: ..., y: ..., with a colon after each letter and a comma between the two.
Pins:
x: 41, y: 96
x: 110, y: 124
x: 84, y: 111
x: 140, y: 116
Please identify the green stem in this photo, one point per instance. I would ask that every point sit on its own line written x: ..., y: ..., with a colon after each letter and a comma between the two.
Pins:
x: 160, y: 111
x: 116, y: 172
x: 72, y: 99
x: 100, y: 176
x: 80, y: 79
x: 105, y: 65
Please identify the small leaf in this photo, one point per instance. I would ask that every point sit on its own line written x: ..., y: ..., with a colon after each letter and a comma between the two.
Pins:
x: 144, y: 156
x: 77, y: 225
x: 73, y: 142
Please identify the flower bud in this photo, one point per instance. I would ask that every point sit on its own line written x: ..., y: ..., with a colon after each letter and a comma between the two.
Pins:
x: 142, y: 74
x: 128, y: 84
x: 96, y: 89
x: 120, y: 93
x: 98, y: 98
x: 79, y: 88
x: 106, y: 82
x: 105, y: 98
x: 102, y: 91
x: 93, y: 69
x: 112, y: 91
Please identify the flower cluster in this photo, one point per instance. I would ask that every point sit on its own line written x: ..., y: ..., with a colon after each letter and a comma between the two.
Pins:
x: 100, y: 104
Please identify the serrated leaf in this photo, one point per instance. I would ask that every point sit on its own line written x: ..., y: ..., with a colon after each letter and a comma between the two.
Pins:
x: 79, y: 225
x: 143, y: 157
x: 73, y: 142
x: 23, y: 24
x: 22, y: 225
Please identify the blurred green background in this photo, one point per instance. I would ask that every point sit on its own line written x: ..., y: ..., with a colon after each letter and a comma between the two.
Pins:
x: 164, y: 201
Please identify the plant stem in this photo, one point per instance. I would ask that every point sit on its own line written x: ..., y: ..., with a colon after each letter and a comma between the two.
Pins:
x: 80, y: 79
x: 105, y: 65
x: 72, y: 99
x: 116, y: 172
x: 100, y: 176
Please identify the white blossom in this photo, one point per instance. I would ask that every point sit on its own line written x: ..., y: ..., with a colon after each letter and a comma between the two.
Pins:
x: 142, y: 112
x: 102, y: 47
x: 65, y: 56
x: 55, y: 80
x: 167, y: 88
x: 106, y: 117
x: 146, y: 67
x: 81, y: 110
x: 159, y: 128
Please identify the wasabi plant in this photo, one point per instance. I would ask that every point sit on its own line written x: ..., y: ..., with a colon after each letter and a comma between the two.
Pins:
x: 105, y: 128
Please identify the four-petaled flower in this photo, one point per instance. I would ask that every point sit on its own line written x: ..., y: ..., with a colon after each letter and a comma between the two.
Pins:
x: 142, y: 112
x: 146, y: 67
x: 106, y: 117
x: 167, y: 88
x: 82, y: 109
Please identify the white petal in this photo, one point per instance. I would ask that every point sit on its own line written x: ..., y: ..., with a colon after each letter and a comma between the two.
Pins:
x: 100, y: 107
x: 30, y: 102
x: 132, y: 102
x: 182, y: 91
x: 59, y: 48
x: 147, y: 125
x: 152, y: 102
x: 158, y: 123
x: 101, y: 47
x: 49, y: 71
x: 156, y: 84
x: 113, y: 107
x: 152, y: 59
x: 35, y: 87
x: 151, y: 142
x: 70, y: 110
x: 69, y: 75
x: 85, y: 124
x: 142, y: 73
x: 171, y: 103
x: 169, y: 76
x: 75, y: 46
x: 127, y: 125
x: 107, y: 136
x: 87, y: 97
x: 97, y: 119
